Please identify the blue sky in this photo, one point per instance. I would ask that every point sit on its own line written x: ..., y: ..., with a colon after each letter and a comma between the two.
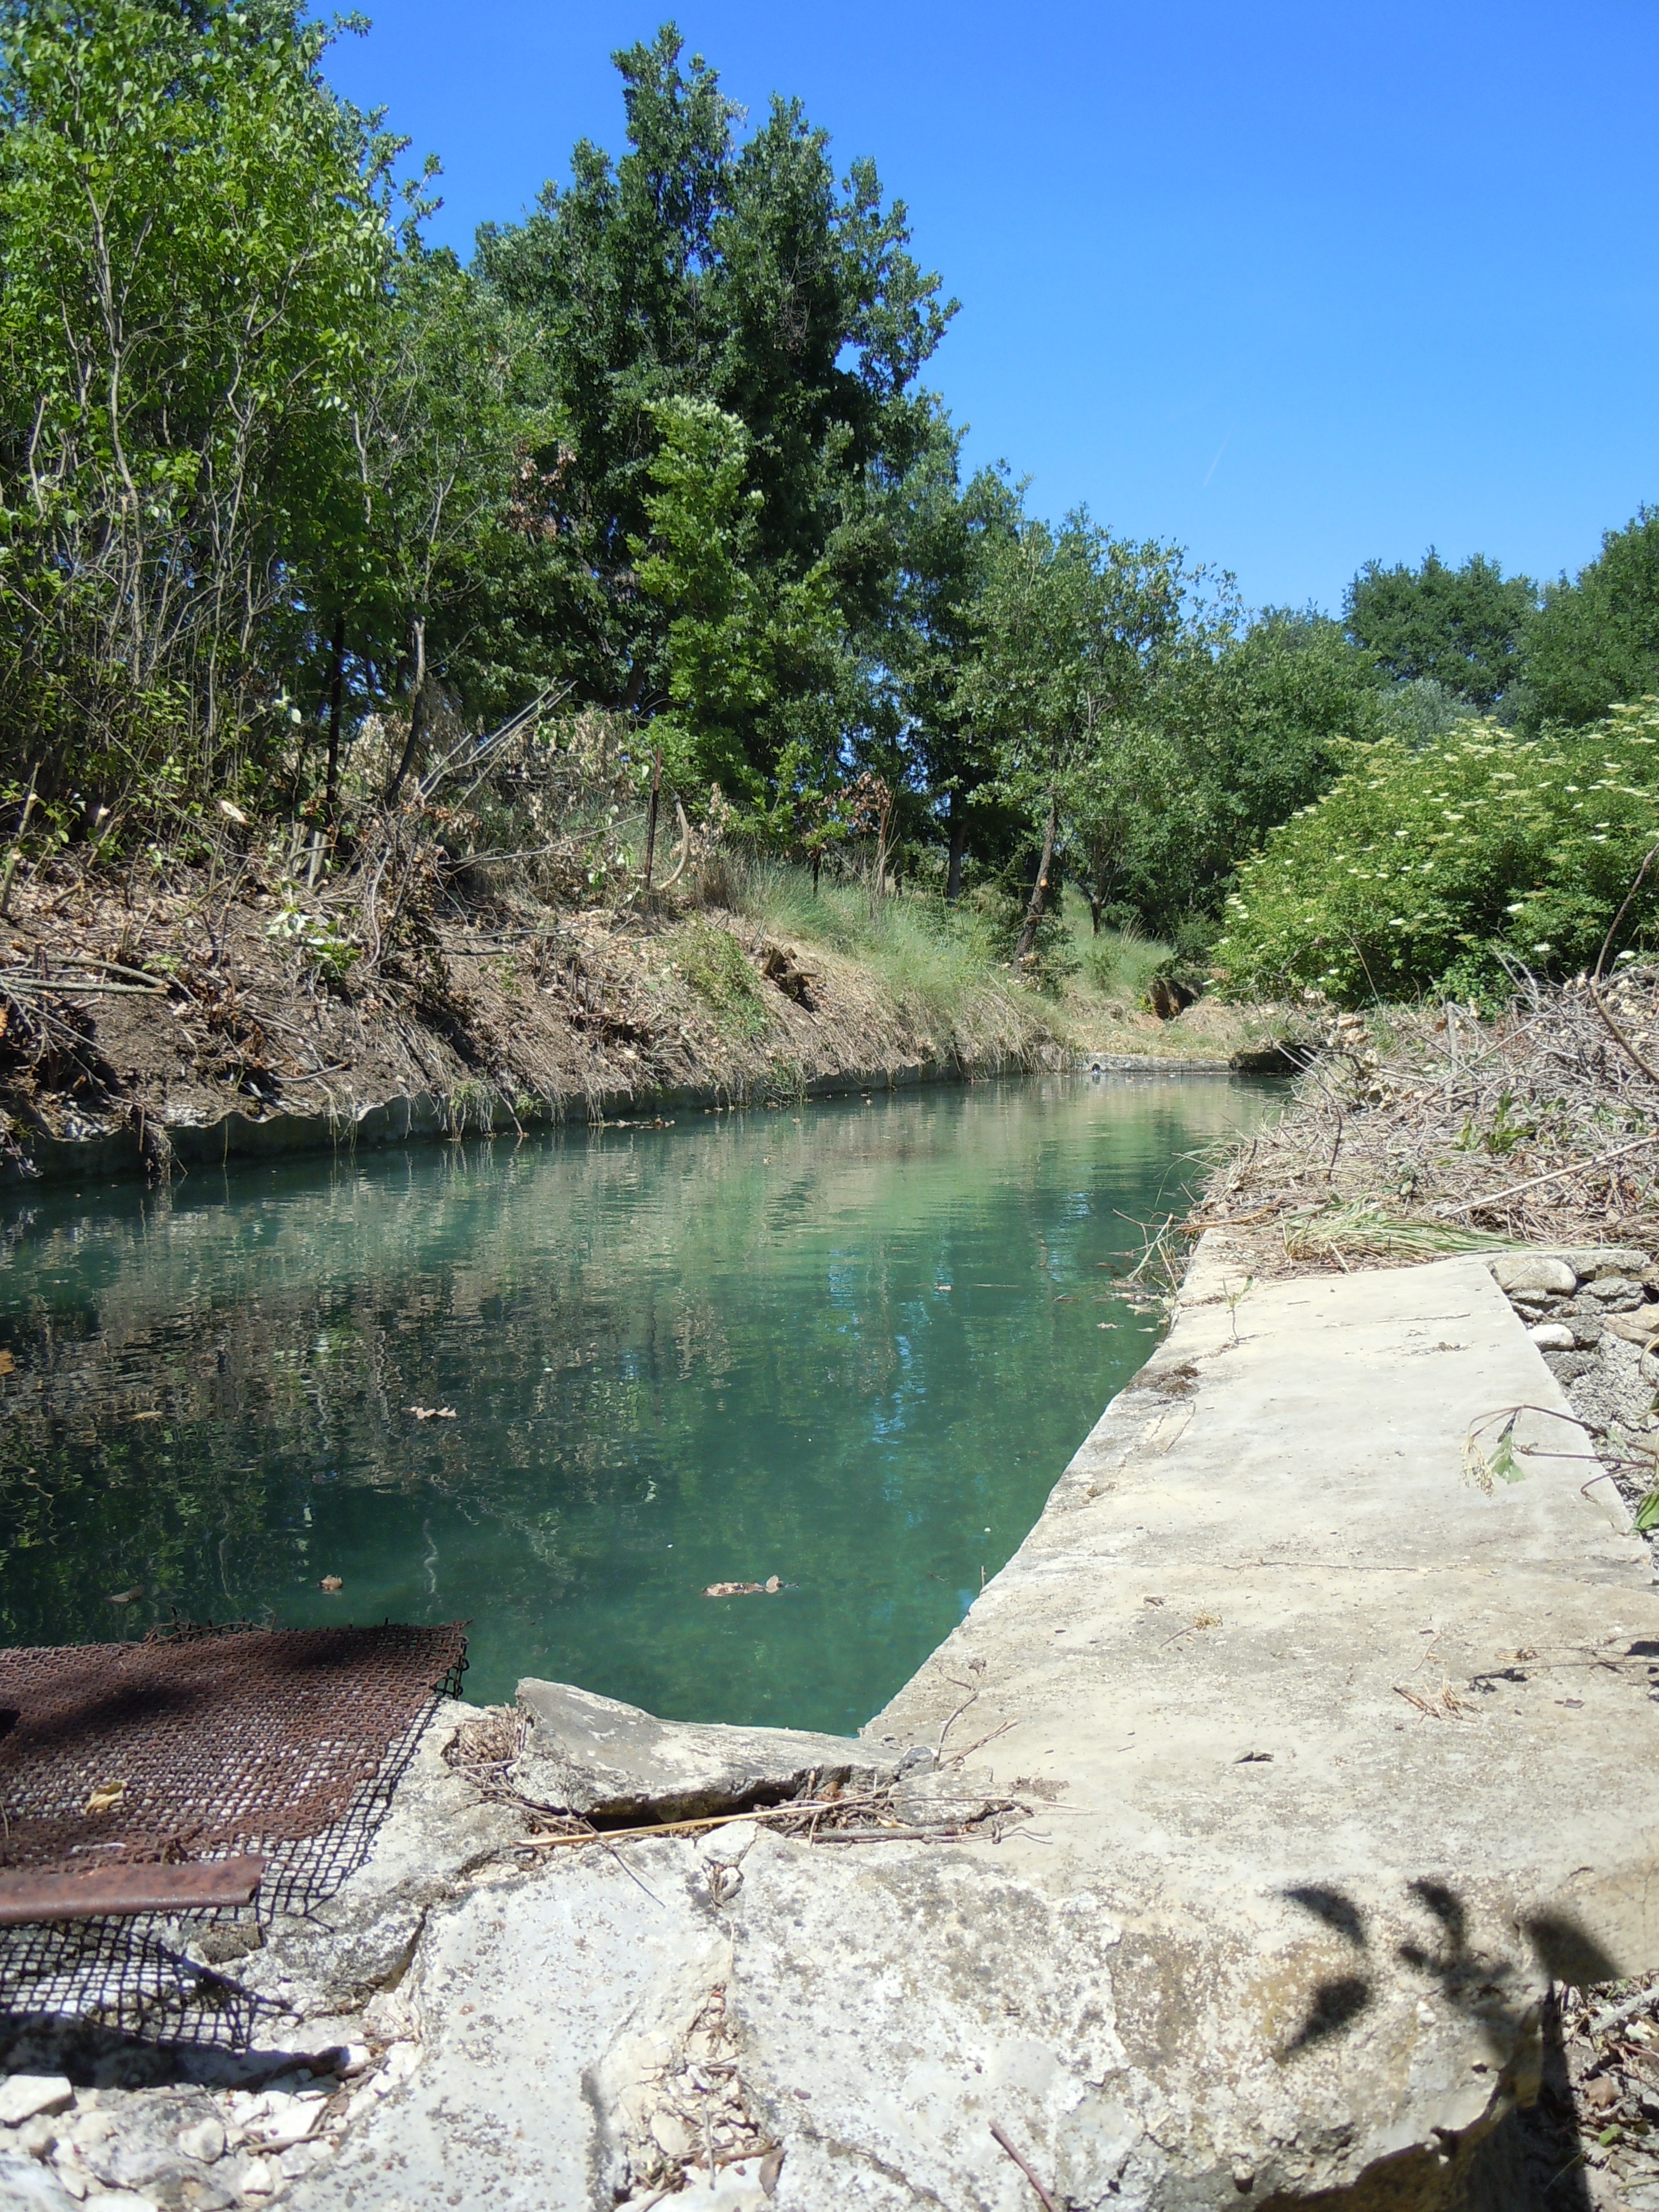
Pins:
x: 1295, y: 285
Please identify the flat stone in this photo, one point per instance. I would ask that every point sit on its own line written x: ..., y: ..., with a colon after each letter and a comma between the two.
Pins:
x: 1535, y: 1271
x: 1617, y: 1293
x: 23, y: 2096
x: 594, y: 1756
x: 1553, y: 1336
x: 1640, y: 1326
x: 723, y: 1846
x: 25, y: 2185
x: 1591, y: 1262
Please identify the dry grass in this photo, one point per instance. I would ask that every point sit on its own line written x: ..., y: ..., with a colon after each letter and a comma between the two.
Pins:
x: 1431, y: 1130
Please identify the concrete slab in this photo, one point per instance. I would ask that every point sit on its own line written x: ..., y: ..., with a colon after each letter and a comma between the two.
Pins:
x: 1329, y: 1676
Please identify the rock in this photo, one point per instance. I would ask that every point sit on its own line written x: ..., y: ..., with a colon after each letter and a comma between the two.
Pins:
x: 205, y: 2139
x: 23, y: 2096
x: 1592, y: 1261
x: 610, y: 1761
x: 38, y: 2136
x: 1617, y: 1294
x: 726, y: 1846
x: 1535, y: 1271
x: 1553, y: 1336
x: 27, y: 2186
x: 1639, y: 1327
x: 120, y: 2200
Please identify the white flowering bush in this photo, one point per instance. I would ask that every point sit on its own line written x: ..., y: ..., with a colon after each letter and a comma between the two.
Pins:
x: 1422, y: 870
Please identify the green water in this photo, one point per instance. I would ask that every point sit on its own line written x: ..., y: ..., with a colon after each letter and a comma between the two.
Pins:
x: 851, y: 1346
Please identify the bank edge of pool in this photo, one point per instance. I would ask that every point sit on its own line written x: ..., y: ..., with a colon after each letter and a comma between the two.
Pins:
x: 109, y: 1147
x: 1339, y: 1741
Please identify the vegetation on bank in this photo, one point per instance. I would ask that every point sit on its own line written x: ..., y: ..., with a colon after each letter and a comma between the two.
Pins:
x: 404, y: 579
x: 1454, y: 866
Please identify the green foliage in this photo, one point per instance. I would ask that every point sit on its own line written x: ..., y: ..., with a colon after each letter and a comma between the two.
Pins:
x: 1249, y: 725
x: 1430, y: 870
x: 192, y: 233
x: 1596, y: 641
x: 740, y: 275
x: 758, y: 672
x: 712, y: 961
x: 1466, y: 629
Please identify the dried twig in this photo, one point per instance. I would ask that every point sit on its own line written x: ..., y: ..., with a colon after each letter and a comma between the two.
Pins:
x: 1044, y: 2196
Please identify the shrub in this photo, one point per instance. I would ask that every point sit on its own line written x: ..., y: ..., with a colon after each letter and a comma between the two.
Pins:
x: 1438, y: 868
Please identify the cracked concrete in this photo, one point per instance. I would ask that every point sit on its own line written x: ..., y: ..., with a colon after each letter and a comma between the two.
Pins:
x: 1336, y: 1726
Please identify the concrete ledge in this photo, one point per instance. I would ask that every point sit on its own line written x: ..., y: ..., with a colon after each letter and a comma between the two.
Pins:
x: 1340, y: 1740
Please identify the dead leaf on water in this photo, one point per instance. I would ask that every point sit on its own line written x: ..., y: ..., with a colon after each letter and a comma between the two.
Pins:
x: 7, y: 1362
x: 769, y: 1587
x: 128, y: 1597
x: 432, y: 1412
x: 154, y: 1414
x: 106, y: 1796
x: 330, y: 1583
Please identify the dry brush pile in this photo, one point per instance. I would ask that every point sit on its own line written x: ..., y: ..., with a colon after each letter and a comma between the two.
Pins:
x: 1431, y: 1130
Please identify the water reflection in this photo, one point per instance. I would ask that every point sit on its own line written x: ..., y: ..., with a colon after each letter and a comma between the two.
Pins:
x: 852, y: 1347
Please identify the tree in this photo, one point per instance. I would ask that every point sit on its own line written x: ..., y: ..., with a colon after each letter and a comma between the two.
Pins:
x: 1257, y: 718
x: 1466, y: 627
x: 1068, y: 630
x: 193, y: 233
x: 946, y: 537
x: 1596, y: 641
x: 743, y: 276
x: 758, y: 676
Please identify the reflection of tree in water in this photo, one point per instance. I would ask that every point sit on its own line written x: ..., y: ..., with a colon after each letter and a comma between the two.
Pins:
x: 616, y: 1317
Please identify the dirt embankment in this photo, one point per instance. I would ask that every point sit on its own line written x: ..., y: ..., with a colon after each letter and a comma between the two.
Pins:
x: 192, y: 1025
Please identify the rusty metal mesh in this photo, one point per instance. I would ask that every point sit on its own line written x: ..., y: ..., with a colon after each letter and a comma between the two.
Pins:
x: 346, y: 1708
x: 199, y: 1740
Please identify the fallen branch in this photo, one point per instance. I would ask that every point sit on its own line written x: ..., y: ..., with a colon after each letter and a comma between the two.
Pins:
x: 1536, y: 1182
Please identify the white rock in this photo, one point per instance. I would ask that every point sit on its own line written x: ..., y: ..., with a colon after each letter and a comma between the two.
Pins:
x: 23, y: 2096
x: 37, y: 2137
x: 205, y: 2141
x: 724, y: 1846
x: 25, y: 2186
x: 1552, y: 1336
x: 353, y: 2059
x: 281, y: 2129
x: 1535, y: 1271
x: 261, y: 2177
x: 120, y: 2200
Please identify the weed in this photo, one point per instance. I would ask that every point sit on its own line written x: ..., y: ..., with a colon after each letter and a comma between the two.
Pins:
x: 712, y: 963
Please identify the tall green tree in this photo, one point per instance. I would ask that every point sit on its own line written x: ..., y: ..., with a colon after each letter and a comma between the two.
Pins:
x: 759, y: 678
x: 1596, y: 641
x: 741, y: 275
x: 1068, y: 633
x: 1464, y: 628
x: 947, y: 536
x: 194, y: 235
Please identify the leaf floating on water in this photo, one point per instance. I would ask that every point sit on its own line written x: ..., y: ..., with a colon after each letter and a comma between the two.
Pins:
x: 7, y: 1362
x: 128, y: 1597
x: 432, y: 1412
x: 155, y: 1414
x: 773, y: 1585
x: 106, y: 1797
x: 769, y: 1587
x: 330, y: 1583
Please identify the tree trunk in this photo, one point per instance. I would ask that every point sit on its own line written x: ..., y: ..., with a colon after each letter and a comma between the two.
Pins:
x: 1094, y: 914
x: 336, y: 686
x: 417, y: 713
x: 1023, y: 950
x: 958, y: 846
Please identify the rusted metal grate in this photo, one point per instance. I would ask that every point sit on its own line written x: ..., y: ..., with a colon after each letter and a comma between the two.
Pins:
x: 200, y: 1741
x: 132, y: 1977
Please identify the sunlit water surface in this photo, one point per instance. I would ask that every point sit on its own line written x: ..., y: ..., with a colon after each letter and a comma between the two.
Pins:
x: 851, y: 1346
